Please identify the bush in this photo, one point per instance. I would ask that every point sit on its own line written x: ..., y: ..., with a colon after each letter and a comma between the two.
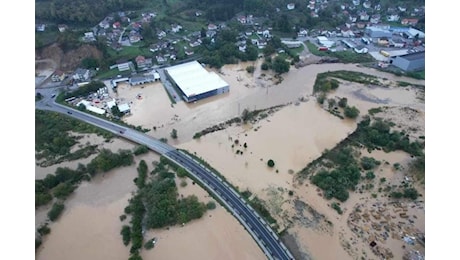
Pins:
x: 370, y: 175
x: 321, y: 98
x: 369, y: 163
x: 141, y: 149
x: 183, y: 183
x: 270, y: 163
x: 351, y: 112
x: 55, y: 211
x: 126, y: 234
x: 174, y: 134
x: 211, y: 205
x: 250, y: 69
x: 343, y: 102
x: 337, y: 208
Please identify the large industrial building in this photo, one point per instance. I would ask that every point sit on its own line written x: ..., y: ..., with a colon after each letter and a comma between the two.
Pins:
x: 195, y: 82
x: 410, y: 62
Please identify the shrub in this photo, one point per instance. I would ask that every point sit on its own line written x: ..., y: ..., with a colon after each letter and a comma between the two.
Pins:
x: 55, y: 211
x: 126, y: 234
x: 211, y: 205
x: 270, y: 163
x: 343, y: 102
x: 337, y: 208
x: 351, y: 112
x: 141, y: 149
x: 250, y: 69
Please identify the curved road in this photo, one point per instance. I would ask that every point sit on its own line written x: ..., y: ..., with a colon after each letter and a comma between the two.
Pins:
x: 248, y: 217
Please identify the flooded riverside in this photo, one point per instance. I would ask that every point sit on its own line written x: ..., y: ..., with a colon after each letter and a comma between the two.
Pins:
x: 292, y: 137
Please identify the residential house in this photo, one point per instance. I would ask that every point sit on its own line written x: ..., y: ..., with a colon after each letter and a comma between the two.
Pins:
x: 367, y: 4
x: 62, y: 27
x: 356, y: 2
x: 352, y: 18
x: 116, y: 25
x: 104, y: 24
x: 160, y: 59
x: 143, y: 62
x: 123, y: 66
x: 302, y: 33
x: 81, y: 75
x: 195, y: 43
x: 89, y: 37
x: 266, y: 34
x: 375, y: 18
x: 40, y: 27
x: 393, y: 18
x: 242, y: 47
x: 176, y: 28
x: 198, y: 13
x: 361, y: 25
x: 402, y: 8
x: 241, y: 19
x: 161, y: 34
x: 346, y: 32
x: 363, y: 16
x: 212, y: 27
x: 134, y: 36
x: 141, y: 79
x: 136, y: 26
x: 189, y: 52
x: 210, y: 33
x: 261, y: 43
x: 248, y: 32
x: 58, y: 75
x: 291, y: 6
x: 378, y: 7
x: 409, y: 21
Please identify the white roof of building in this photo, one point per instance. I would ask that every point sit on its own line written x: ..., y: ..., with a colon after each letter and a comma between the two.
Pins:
x: 111, y: 103
x: 412, y: 32
x: 84, y: 102
x: 123, y: 107
x: 96, y: 110
x: 322, y: 38
x: 193, y: 79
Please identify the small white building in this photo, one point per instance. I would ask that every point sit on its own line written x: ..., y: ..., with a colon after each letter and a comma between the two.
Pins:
x: 124, y: 108
x: 322, y: 40
x: 290, y: 6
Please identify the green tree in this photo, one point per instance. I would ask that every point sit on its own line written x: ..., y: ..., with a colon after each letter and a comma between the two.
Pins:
x: 270, y: 163
x: 280, y: 65
x: 126, y: 234
x: 55, y: 211
x: 343, y: 102
x: 250, y: 69
x: 174, y: 134
x: 351, y: 112
x: 116, y: 111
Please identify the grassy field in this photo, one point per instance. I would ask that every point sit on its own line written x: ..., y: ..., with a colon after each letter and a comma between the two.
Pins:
x: 347, y: 56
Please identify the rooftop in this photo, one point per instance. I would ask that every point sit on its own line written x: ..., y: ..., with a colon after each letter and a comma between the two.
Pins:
x: 193, y: 79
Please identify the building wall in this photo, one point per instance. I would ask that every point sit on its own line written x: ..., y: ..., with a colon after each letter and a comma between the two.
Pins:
x: 208, y: 94
x: 409, y: 65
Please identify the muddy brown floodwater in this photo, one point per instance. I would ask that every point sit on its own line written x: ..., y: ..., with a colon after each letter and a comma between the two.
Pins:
x: 293, y: 136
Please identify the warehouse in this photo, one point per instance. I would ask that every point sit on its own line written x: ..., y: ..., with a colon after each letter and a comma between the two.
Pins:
x: 195, y: 82
x: 377, y: 32
x: 410, y: 62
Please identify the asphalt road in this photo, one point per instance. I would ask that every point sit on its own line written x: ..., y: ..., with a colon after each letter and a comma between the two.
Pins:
x: 254, y: 224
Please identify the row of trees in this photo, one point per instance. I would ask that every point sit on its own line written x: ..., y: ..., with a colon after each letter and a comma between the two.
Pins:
x: 52, y: 138
x: 157, y: 204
